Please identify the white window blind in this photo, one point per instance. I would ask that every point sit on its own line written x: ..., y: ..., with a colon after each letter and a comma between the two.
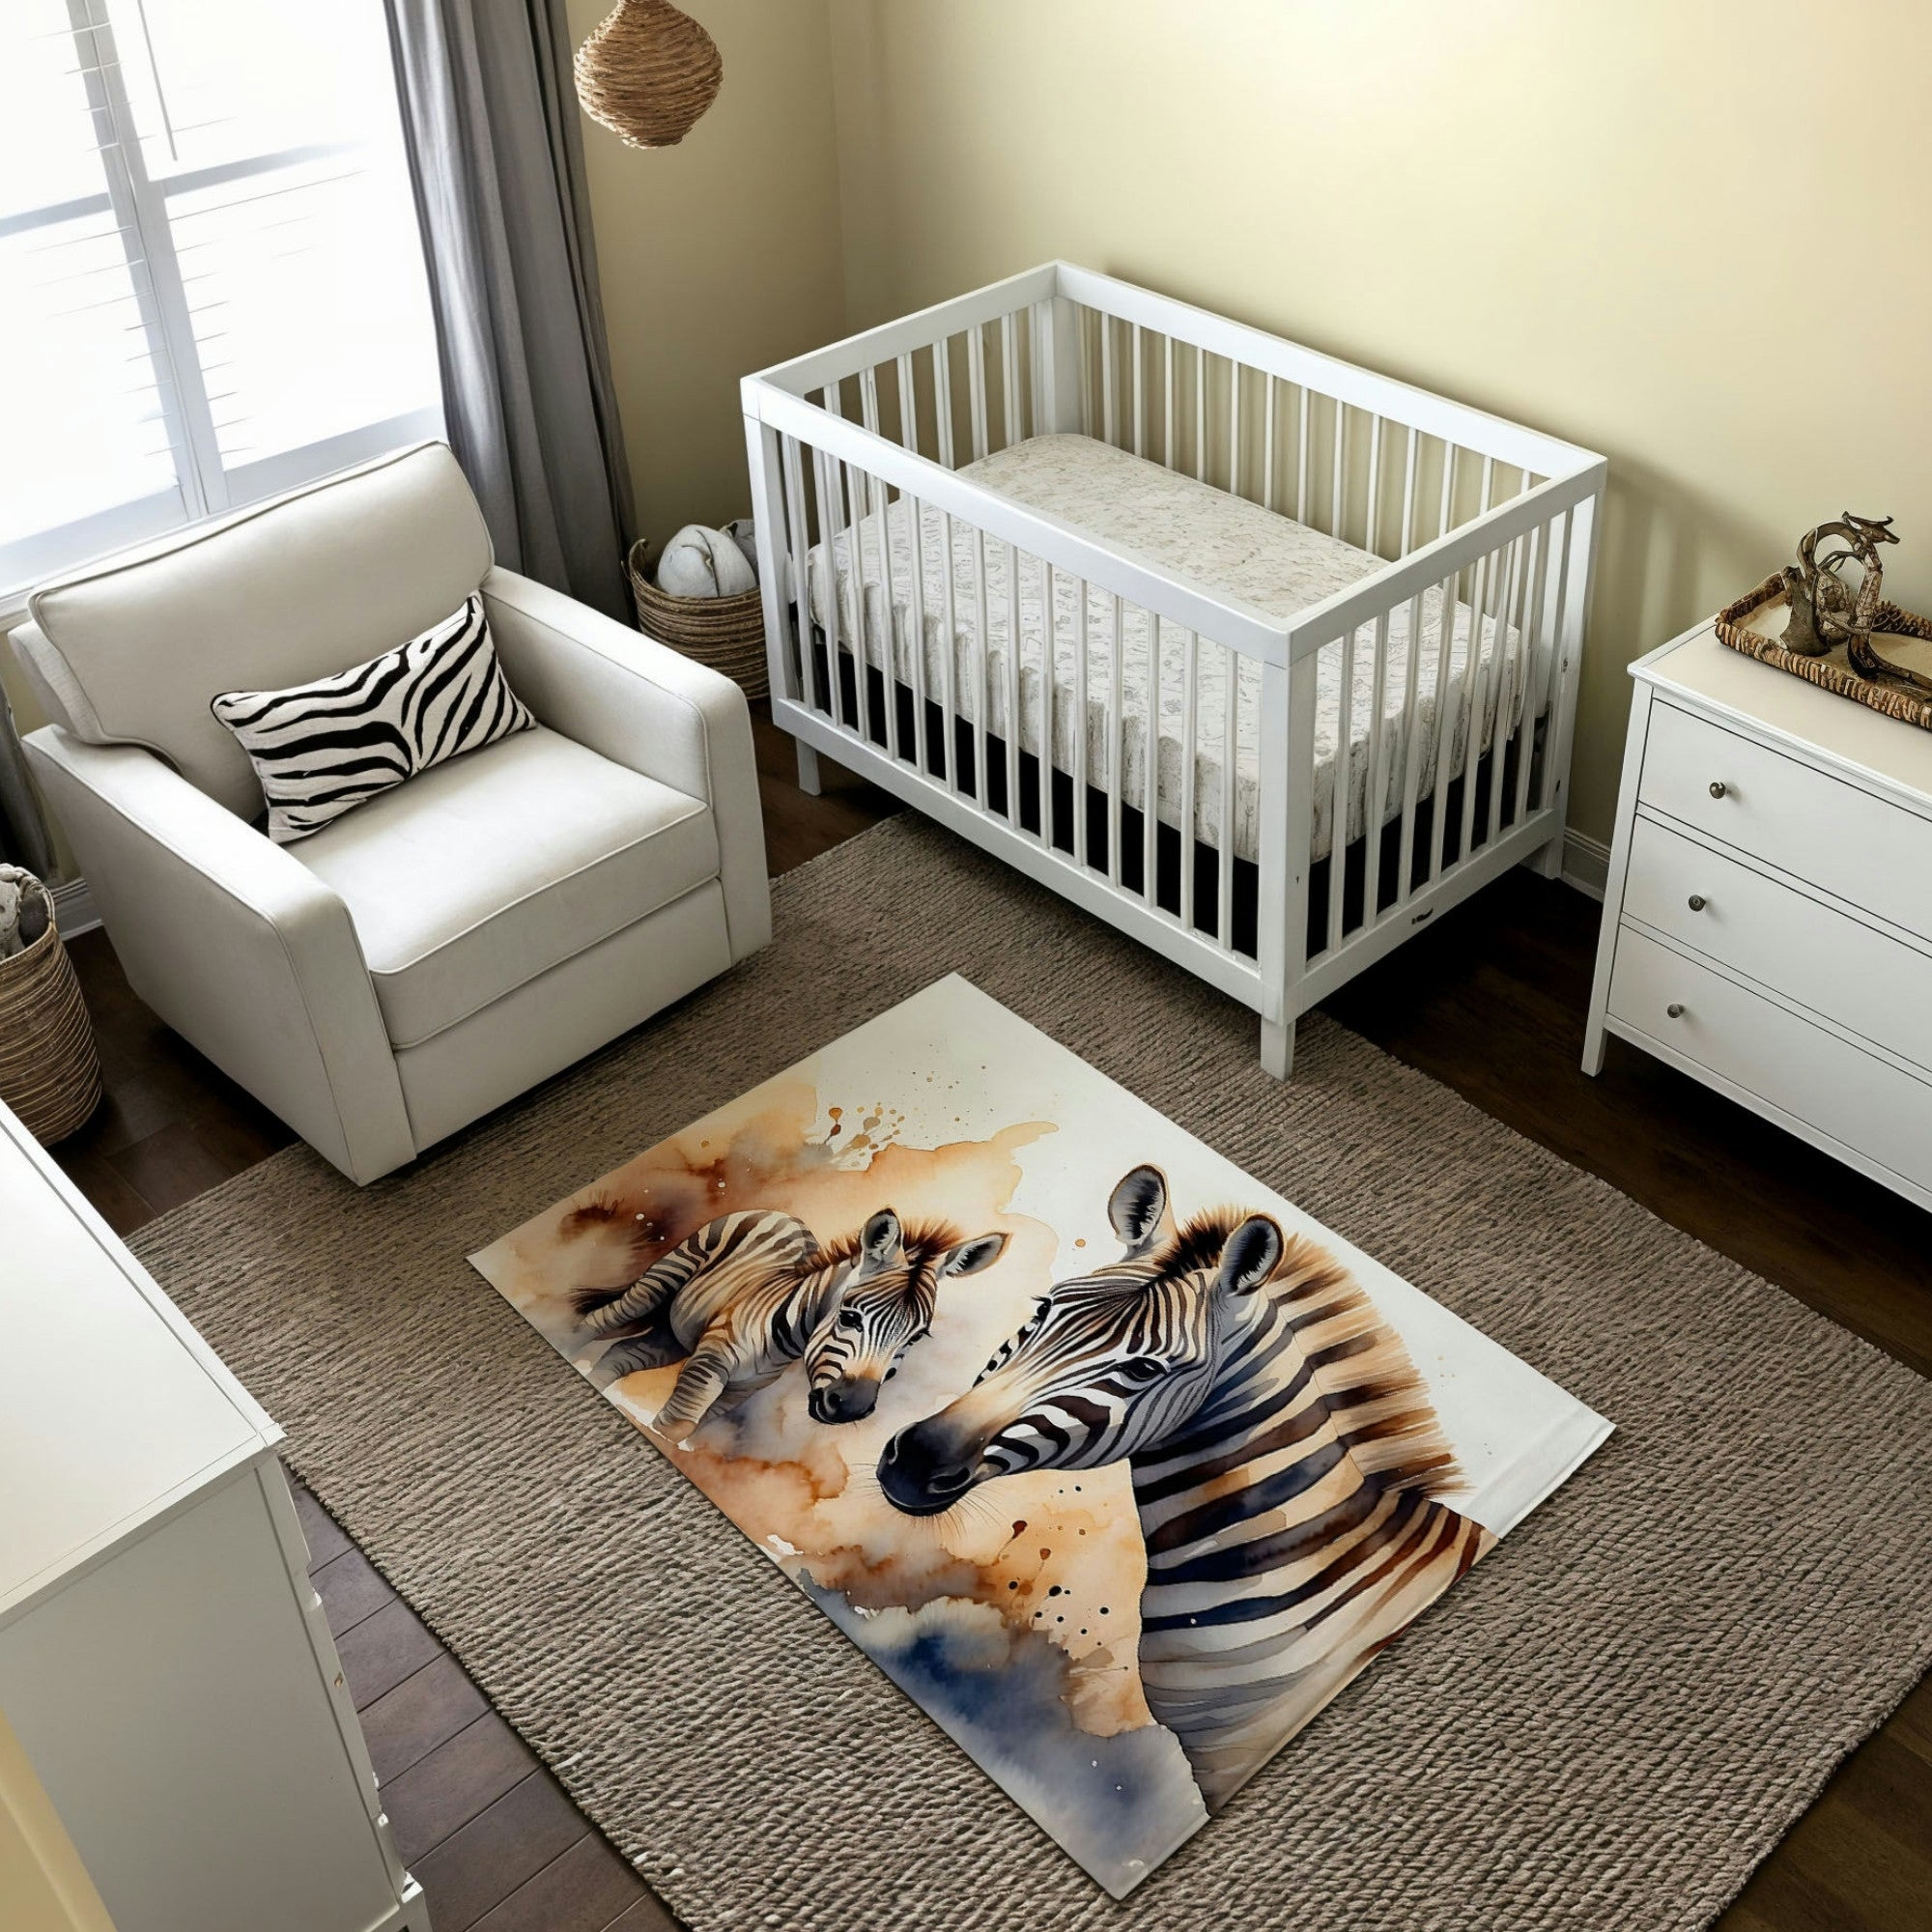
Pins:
x: 211, y: 282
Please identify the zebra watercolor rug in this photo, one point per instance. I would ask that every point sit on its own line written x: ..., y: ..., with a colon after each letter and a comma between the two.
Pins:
x: 1116, y: 1463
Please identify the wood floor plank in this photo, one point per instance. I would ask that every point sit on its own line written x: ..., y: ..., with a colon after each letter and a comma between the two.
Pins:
x: 648, y: 1915
x: 507, y: 1843
x: 439, y: 1794
x: 428, y: 1708
x: 350, y: 1589
x: 383, y: 1650
x: 583, y: 1890
x: 326, y: 1537
x: 170, y: 1166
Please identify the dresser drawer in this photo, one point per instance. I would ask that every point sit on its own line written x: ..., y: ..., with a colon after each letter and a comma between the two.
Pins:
x: 1869, y: 982
x: 1866, y: 1105
x: 1862, y: 848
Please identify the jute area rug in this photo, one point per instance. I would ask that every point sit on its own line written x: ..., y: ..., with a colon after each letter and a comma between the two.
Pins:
x: 1608, y: 1725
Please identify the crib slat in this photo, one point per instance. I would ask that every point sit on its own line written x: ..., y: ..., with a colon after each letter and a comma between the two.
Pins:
x: 857, y: 484
x: 942, y: 399
x: 1411, y: 752
x: 1190, y: 755
x: 1013, y: 724
x: 916, y: 513
x: 1080, y: 728
x: 1556, y: 635
x: 1341, y: 467
x: 975, y: 387
x: 1230, y: 750
x: 1413, y: 437
x: 1536, y: 660
x: 1234, y: 428
x: 982, y: 658
x: 1506, y: 689
x: 908, y: 406
x: 1151, y: 776
x: 801, y: 592
x: 1049, y: 665
x: 1375, y: 523
x: 1107, y: 380
x: 1301, y: 464
x: 868, y: 399
x: 1010, y: 377
x: 1476, y: 689
x: 1200, y: 413
x: 948, y: 647
x: 982, y: 790
x: 1445, y: 737
x: 1267, y: 441
x: 830, y: 528
x: 1140, y: 412
x: 1167, y: 384
x: 889, y: 614
x: 1338, y: 797
x: 1450, y: 452
x: 1085, y: 373
x: 1375, y: 793
x: 1116, y: 740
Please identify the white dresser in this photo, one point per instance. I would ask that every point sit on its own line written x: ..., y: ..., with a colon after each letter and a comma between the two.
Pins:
x: 164, y: 1663
x: 1767, y: 917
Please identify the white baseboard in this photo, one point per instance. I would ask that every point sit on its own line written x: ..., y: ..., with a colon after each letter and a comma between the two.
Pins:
x: 73, y: 908
x: 1586, y: 863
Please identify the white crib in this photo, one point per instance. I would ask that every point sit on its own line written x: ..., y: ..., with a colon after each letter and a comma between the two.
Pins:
x: 1085, y: 573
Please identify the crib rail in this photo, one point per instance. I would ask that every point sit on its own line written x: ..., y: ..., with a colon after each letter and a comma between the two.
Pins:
x: 1198, y: 814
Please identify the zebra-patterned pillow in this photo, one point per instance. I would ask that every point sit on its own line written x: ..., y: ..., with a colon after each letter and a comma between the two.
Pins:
x: 322, y: 749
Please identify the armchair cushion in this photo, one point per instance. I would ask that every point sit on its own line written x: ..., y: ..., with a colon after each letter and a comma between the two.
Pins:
x: 482, y: 873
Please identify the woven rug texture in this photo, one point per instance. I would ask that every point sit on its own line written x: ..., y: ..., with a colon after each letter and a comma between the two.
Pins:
x: 1607, y: 1724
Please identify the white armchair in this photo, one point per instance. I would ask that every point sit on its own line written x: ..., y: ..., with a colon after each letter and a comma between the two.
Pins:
x: 453, y: 941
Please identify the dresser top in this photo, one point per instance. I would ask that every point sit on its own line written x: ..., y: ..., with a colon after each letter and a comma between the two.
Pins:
x: 112, y: 1408
x: 1700, y: 667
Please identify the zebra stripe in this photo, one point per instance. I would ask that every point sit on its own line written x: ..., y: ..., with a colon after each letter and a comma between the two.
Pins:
x: 320, y: 749
x: 1286, y: 1465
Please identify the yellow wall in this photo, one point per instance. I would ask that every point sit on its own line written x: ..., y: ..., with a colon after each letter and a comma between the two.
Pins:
x: 719, y: 256
x: 1692, y: 237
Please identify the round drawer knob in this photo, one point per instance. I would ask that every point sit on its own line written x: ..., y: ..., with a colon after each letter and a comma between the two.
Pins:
x: 1718, y: 787
x: 1675, y: 1009
x: 1699, y: 902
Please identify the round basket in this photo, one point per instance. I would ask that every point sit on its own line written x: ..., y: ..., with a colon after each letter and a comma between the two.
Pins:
x: 726, y: 632
x: 50, y: 1074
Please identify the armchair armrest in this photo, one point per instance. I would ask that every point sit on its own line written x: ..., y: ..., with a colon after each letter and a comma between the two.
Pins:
x: 639, y: 703
x: 235, y: 944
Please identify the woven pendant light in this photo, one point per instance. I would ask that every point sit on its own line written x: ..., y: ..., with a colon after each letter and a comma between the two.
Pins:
x: 648, y: 72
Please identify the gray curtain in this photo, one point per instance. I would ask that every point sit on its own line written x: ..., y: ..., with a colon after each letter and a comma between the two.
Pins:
x: 490, y: 120
x: 23, y: 831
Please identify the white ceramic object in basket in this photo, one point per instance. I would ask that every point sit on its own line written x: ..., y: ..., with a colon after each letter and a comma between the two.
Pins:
x: 1767, y: 915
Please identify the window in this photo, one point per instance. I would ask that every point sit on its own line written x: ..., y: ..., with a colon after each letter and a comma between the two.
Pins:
x: 212, y: 283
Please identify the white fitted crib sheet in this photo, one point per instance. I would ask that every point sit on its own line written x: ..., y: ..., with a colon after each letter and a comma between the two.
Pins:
x: 1216, y: 539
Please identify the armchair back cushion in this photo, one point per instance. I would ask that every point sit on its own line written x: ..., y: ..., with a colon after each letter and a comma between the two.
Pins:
x: 130, y: 650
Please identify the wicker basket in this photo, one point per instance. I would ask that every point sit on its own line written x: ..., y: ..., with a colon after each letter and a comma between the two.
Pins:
x: 726, y: 632
x: 50, y: 1074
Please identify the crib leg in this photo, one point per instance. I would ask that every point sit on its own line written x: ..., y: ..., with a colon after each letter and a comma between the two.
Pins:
x: 1278, y: 1048
x: 808, y: 769
x: 1547, y: 861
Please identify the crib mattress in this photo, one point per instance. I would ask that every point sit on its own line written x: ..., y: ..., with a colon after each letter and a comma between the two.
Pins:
x: 1216, y: 539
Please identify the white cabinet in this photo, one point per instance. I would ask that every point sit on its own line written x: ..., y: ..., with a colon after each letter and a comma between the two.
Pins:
x: 1767, y: 915
x: 164, y: 1662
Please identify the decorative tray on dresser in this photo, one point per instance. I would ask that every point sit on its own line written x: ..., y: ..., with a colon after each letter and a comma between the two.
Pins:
x: 1767, y: 915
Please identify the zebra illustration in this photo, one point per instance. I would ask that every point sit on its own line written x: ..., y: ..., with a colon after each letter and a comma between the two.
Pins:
x: 751, y: 1293
x: 1285, y: 1457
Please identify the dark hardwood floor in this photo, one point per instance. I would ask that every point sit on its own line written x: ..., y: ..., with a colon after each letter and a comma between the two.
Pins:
x: 1490, y: 1003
